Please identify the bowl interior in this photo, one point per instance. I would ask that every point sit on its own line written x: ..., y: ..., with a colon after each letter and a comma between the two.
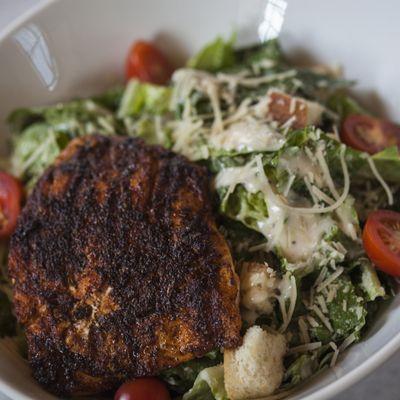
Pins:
x: 68, y: 49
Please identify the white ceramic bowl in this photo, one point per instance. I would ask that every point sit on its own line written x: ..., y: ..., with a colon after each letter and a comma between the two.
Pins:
x: 63, y: 49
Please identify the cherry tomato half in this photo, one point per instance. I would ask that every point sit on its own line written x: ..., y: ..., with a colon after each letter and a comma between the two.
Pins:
x: 369, y: 134
x: 10, y: 203
x: 381, y: 238
x: 143, y: 389
x: 146, y: 63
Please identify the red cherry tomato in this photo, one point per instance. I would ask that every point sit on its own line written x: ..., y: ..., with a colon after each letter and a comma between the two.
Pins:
x: 146, y: 63
x: 369, y: 134
x: 143, y: 389
x: 381, y: 238
x: 10, y: 203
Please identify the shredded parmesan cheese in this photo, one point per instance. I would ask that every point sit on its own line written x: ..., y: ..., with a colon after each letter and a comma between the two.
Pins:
x: 335, y: 354
x: 330, y: 279
x: 305, y: 337
x: 322, y: 317
x: 379, y: 178
x: 304, y: 348
x: 347, y: 342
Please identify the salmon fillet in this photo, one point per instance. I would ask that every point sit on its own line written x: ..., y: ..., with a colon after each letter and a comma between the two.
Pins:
x: 118, y: 268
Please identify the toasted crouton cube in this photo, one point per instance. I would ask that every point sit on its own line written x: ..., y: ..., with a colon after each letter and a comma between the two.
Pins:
x: 255, y: 369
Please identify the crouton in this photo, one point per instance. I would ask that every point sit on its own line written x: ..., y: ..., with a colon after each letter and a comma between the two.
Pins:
x: 255, y: 369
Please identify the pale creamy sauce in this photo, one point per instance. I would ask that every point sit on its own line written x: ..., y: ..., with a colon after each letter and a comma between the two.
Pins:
x: 295, y: 235
x: 247, y: 135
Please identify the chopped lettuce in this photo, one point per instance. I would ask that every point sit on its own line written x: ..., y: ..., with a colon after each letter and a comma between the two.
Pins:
x: 269, y: 50
x: 181, y: 378
x: 388, y: 164
x: 110, y: 99
x: 370, y: 283
x: 344, y: 105
x: 209, y: 385
x: 35, y: 149
x: 246, y: 207
x: 346, y: 311
x: 215, y: 56
x: 141, y: 98
x: 151, y: 128
x: 40, y: 134
x: 300, y: 369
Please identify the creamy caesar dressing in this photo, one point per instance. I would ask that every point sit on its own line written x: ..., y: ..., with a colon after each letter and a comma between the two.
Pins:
x: 247, y: 135
x: 302, y: 165
x: 295, y: 234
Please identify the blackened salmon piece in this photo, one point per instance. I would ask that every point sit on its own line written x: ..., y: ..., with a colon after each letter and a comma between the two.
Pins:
x: 118, y: 268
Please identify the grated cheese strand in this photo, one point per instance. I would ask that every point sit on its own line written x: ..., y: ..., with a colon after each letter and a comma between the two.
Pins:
x: 340, y: 200
x: 335, y: 354
x: 303, y: 348
x: 347, y: 342
x: 330, y: 279
x: 379, y: 178
x: 325, y: 171
x: 322, y: 317
x: 305, y: 337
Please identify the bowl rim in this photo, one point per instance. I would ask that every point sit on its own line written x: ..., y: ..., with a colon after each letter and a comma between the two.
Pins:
x: 326, y: 392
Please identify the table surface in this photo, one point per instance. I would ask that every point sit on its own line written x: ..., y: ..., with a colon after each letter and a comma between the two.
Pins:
x: 382, y: 384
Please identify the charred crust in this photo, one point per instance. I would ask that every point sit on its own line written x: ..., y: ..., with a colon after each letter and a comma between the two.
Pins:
x: 119, y: 269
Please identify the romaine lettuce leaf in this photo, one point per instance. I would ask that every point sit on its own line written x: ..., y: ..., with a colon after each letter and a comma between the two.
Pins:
x: 346, y: 311
x: 110, y: 99
x: 269, y: 50
x: 388, y: 164
x: 244, y: 206
x: 35, y: 149
x: 215, y: 56
x: 370, y: 283
x: 181, y: 378
x: 344, y: 105
x: 300, y: 369
x: 139, y: 98
x: 40, y: 134
x: 209, y: 385
x: 319, y: 86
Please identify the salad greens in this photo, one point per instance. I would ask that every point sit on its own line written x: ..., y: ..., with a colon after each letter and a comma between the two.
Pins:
x: 182, y: 377
x: 208, y: 385
x: 215, y: 56
x: 291, y: 197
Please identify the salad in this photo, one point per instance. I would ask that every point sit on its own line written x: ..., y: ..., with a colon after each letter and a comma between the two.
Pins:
x: 307, y: 185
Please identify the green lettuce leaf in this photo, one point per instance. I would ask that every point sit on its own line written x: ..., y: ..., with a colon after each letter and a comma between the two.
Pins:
x: 141, y: 98
x: 209, y: 385
x: 181, y: 378
x: 346, y: 312
x: 215, y: 56
x: 319, y: 86
x: 35, y: 149
x: 269, y: 50
x: 344, y: 105
x: 300, y: 369
x: 111, y: 98
x: 388, y: 164
x: 40, y: 134
x: 150, y: 130
x: 369, y: 282
x: 244, y: 206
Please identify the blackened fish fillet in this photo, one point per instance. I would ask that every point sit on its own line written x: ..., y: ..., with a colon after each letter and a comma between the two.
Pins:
x: 118, y: 268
